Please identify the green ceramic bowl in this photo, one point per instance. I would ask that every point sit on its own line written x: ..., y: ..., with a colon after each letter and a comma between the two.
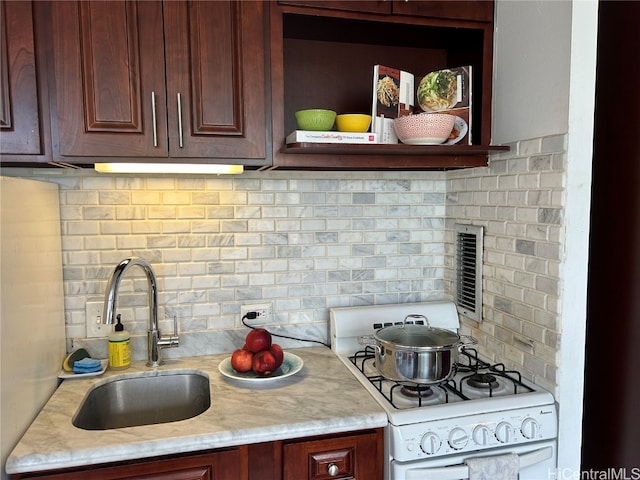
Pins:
x: 315, y: 119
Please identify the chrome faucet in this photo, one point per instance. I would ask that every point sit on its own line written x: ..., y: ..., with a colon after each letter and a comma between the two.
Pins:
x: 155, y: 342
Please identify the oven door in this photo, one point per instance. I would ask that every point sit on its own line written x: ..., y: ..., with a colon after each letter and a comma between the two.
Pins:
x: 537, y: 461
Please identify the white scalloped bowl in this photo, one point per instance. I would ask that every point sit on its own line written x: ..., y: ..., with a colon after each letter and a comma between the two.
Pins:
x: 424, y: 128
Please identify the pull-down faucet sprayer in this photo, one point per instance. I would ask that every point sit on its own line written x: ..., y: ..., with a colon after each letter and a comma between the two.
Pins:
x: 155, y: 342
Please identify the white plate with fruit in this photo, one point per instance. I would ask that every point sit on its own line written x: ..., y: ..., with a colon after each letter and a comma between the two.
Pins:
x: 260, y: 360
x: 291, y: 365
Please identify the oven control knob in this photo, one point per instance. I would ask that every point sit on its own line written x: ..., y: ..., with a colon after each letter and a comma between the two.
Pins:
x: 504, y: 432
x: 529, y: 428
x: 482, y: 435
x: 458, y: 438
x: 430, y: 443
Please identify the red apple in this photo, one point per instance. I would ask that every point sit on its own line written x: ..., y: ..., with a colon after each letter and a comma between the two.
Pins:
x: 278, y: 353
x: 264, y: 363
x: 258, y: 340
x: 242, y: 360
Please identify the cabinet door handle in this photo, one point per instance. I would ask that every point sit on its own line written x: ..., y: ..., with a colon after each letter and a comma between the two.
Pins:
x: 332, y: 469
x: 153, y: 119
x: 180, y: 142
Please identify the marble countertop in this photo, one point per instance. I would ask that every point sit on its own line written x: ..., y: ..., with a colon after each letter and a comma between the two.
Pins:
x: 322, y: 398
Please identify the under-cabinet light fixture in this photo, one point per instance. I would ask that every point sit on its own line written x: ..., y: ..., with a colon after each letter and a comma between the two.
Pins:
x: 206, y: 168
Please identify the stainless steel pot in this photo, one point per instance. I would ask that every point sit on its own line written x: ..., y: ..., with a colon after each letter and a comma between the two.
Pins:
x: 417, y: 353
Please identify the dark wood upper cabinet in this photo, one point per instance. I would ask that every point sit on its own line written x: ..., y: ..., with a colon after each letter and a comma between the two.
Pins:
x: 474, y: 10
x: 20, y: 129
x: 215, y: 57
x: 362, y: 6
x: 155, y: 79
x: 322, y: 56
x: 219, y: 81
x: 109, y: 67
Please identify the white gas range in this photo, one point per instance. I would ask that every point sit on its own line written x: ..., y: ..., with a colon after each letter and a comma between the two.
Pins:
x: 482, y: 411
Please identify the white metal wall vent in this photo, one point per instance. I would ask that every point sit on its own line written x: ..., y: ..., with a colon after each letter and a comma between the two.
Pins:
x: 469, y: 270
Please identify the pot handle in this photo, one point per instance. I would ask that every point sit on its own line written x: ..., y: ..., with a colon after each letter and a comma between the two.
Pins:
x: 415, y: 315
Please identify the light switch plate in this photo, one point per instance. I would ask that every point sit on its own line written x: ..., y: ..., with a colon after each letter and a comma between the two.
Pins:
x: 95, y: 327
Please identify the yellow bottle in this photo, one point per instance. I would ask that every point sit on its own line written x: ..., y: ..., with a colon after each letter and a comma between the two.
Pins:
x: 119, y: 347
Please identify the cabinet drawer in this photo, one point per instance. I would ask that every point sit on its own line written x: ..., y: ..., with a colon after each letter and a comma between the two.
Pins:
x: 356, y: 457
x: 337, y: 463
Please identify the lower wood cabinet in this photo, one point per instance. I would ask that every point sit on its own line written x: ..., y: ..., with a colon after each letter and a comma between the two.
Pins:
x: 228, y: 464
x: 346, y: 456
x: 349, y: 457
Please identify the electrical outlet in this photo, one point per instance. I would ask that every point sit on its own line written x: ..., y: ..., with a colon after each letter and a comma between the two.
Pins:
x: 95, y: 327
x: 264, y: 311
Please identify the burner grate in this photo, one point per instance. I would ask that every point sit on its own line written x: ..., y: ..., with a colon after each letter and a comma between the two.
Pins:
x: 476, y: 374
x: 360, y: 359
x: 479, y: 367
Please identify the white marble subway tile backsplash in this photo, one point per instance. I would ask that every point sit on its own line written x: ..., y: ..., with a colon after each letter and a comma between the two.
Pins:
x: 303, y: 241
x: 309, y: 241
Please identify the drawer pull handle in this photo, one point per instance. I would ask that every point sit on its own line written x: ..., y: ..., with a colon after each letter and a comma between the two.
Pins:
x: 333, y: 469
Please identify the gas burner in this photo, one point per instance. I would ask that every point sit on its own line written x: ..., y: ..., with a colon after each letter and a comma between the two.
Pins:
x: 416, y: 391
x: 483, y: 381
x: 474, y: 379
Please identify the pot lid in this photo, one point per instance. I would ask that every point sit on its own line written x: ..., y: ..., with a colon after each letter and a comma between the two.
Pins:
x: 417, y: 336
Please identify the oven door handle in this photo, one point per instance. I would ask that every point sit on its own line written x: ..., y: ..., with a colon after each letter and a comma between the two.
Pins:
x: 461, y: 472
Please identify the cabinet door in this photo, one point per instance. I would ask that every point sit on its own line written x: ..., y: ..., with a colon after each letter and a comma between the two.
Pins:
x: 224, y: 465
x: 357, y: 457
x: 109, y: 65
x: 479, y: 11
x: 19, y: 107
x: 215, y: 61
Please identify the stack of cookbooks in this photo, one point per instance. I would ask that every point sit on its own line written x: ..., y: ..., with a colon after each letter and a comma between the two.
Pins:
x: 442, y: 91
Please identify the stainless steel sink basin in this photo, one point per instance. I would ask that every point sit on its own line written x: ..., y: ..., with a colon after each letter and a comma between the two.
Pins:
x: 159, y: 397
